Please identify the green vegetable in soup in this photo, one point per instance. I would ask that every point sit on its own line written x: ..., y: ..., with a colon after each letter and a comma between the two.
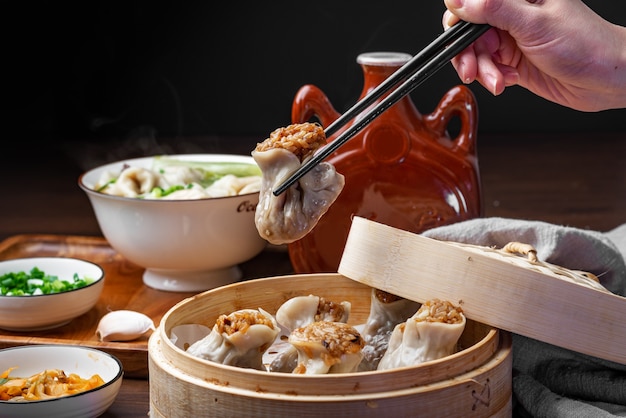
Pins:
x: 212, y: 170
x: 38, y: 282
x: 161, y: 192
x: 105, y: 185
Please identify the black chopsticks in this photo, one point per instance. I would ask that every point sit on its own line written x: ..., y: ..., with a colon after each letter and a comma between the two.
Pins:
x: 412, y: 74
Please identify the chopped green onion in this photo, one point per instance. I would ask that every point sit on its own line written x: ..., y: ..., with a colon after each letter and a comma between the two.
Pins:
x: 38, y: 283
x: 107, y: 184
x: 160, y: 192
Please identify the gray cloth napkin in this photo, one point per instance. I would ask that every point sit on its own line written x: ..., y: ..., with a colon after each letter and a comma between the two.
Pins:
x: 550, y: 381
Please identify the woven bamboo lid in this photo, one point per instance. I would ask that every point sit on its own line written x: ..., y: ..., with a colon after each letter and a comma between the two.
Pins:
x: 499, y: 287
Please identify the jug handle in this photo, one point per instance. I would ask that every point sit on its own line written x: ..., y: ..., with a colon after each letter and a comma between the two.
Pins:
x: 458, y: 101
x: 311, y: 102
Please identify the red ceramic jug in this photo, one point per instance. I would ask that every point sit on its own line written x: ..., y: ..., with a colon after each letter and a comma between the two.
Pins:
x: 403, y: 169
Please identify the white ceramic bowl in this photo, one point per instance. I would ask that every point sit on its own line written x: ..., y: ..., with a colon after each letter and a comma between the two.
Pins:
x: 30, y: 313
x: 83, y: 361
x: 184, y: 245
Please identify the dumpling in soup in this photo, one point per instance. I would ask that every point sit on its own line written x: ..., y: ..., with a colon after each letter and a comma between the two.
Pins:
x: 291, y: 215
x: 238, y: 339
x: 132, y: 182
x: 431, y: 333
x: 177, y: 174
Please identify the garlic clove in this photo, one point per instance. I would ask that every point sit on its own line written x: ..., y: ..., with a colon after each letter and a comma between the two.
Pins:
x: 123, y: 325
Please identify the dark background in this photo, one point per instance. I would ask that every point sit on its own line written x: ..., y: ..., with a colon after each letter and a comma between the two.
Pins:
x: 98, y: 70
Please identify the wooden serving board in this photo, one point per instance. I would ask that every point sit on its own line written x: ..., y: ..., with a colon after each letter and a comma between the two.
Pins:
x: 123, y: 289
x: 513, y: 296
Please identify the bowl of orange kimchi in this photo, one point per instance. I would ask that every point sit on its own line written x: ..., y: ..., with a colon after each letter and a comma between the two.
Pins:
x: 63, y: 381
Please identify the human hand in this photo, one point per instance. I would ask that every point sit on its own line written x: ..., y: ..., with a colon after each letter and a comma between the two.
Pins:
x: 560, y: 50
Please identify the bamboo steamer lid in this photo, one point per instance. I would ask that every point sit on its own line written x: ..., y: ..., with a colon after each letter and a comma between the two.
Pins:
x: 498, y: 287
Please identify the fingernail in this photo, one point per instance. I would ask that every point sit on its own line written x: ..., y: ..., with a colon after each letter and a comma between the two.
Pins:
x: 450, y: 19
x: 455, y: 4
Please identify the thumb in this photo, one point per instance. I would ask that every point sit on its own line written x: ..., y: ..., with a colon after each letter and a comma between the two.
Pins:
x: 502, y: 14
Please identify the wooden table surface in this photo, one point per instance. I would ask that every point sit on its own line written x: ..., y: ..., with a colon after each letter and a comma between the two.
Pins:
x: 577, y: 180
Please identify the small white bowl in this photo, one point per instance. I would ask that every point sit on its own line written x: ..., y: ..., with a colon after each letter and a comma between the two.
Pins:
x: 83, y: 361
x: 31, y: 313
x: 184, y: 245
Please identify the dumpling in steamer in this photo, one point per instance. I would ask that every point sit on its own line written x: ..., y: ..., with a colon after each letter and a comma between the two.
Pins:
x: 327, y: 347
x: 291, y: 215
x: 431, y: 333
x: 299, y: 312
x: 386, y: 311
x: 238, y: 339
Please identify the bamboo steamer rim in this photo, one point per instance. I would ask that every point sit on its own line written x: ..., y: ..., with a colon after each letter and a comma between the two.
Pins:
x: 230, y: 378
x: 501, y: 356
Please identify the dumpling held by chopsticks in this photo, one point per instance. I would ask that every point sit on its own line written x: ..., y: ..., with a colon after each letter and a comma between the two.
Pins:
x: 291, y: 215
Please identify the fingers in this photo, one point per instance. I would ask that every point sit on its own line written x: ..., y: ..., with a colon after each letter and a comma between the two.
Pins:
x: 493, y: 76
x: 508, y: 15
x: 489, y: 74
x: 476, y: 11
x: 511, y: 75
x: 476, y: 63
x: 487, y: 55
x: 465, y: 62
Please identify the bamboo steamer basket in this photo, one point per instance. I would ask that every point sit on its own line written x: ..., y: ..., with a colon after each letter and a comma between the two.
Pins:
x: 474, y: 382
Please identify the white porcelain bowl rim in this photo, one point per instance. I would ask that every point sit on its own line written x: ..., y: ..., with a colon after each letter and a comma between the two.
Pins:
x: 143, y: 162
